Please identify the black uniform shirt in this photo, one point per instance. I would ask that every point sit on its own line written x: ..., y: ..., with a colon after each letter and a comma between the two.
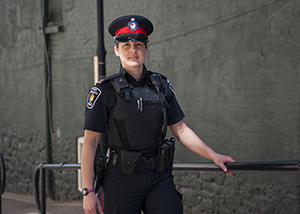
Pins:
x: 102, y: 98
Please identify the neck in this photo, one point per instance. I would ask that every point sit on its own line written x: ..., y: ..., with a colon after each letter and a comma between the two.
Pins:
x: 136, y: 73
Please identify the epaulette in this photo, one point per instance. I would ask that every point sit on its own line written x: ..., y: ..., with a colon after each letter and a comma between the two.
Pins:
x: 162, y: 75
x: 165, y: 78
x: 111, y: 77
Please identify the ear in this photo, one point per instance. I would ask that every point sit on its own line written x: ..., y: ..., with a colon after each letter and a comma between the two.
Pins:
x: 146, y: 51
x: 116, y: 51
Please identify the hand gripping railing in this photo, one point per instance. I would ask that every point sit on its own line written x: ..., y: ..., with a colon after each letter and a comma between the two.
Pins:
x: 292, y: 165
x: 2, y: 180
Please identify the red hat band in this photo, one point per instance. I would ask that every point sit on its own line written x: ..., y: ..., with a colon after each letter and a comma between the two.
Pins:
x: 127, y: 30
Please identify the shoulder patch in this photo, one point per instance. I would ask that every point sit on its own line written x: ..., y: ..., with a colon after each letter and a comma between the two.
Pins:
x: 93, y: 96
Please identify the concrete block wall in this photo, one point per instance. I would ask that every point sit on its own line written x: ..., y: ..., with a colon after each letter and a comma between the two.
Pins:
x: 22, y: 131
x: 233, y: 65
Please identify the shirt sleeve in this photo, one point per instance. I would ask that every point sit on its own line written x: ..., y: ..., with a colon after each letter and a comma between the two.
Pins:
x: 174, y: 112
x: 96, y: 110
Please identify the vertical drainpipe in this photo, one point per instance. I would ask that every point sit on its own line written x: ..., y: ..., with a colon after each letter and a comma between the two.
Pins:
x: 99, y: 59
x: 47, y: 101
x: 99, y: 63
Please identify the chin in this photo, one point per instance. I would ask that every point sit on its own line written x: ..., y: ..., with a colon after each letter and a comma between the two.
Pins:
x: 135, y: 64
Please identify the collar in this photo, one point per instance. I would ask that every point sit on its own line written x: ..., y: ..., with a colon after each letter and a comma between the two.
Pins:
x: 130, y: 79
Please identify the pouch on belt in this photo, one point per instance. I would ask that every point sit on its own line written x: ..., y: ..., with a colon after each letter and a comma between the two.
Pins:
x: 165, y: 155
x: 129, y: 161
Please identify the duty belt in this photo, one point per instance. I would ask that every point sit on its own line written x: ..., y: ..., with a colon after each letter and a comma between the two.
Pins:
x: 131, y: 162
x: 142, y: 162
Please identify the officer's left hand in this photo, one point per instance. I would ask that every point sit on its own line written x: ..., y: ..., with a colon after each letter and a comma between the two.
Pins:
x: 221, y: 159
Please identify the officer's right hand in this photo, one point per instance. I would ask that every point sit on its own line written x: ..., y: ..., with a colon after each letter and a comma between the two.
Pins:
x: 90, y: 202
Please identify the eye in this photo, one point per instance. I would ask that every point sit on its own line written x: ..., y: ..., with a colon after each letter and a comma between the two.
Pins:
x: 125, y: 45
x: 140, y: 45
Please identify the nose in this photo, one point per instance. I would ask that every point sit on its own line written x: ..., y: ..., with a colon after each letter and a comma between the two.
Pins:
x: 133, y: 49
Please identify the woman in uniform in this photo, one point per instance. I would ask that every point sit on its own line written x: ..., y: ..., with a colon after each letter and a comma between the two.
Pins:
x: 134, y: 106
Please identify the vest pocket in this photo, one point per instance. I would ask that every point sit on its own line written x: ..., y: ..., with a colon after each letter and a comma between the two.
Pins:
x: 122, y: 133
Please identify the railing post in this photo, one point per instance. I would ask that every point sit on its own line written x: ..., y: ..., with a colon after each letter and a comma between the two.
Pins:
x: 43, y: 191
x: 2, y: 180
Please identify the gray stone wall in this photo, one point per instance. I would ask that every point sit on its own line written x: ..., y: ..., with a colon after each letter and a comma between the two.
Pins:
x: 214, y: 192
x: 233, y: 64
x: 21, y: 93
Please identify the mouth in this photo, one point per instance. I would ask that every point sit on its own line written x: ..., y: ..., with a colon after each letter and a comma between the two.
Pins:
x: 133, y: 58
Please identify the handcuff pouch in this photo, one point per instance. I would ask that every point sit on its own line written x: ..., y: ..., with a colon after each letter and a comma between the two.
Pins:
x: 129, y: 161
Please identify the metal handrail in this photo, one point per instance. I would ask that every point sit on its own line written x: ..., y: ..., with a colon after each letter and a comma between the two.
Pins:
x: 2, y: 180
x: 40, y: 172
x: 3, y: 175
x: 290, y: 165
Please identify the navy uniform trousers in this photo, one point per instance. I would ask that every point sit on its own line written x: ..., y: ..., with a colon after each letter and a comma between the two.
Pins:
x: 129, y: 194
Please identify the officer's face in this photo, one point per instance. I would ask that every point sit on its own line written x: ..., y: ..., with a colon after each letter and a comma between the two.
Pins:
x: 132, y: 54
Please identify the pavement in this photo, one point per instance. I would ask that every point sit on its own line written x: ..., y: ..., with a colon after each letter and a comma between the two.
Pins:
x: 23, y: 204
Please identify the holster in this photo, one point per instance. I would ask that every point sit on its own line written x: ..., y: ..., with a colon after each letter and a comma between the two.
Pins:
x: 99, y: 170
x: 165, y: 155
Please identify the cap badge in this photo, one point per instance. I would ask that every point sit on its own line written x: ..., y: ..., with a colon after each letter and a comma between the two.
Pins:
x: 133, y: 25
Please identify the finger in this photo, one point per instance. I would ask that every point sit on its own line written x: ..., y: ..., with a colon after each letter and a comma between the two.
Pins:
x: 231, y: 160
x: 99, y: 208
x: 230, y: 173
x: 93, y: 211
x: 223, y: 167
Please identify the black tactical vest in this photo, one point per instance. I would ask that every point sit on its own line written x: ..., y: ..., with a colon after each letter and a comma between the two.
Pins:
x: 135, y: 123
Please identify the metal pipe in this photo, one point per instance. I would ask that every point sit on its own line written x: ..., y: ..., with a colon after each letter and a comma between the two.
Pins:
x: 100, y: 52
x: 293, y: 165
x: 196, y: 166
x: 2, y: 180
x: 43, y: 191
x: 47, y: 93
x: 99, y: 63
x: 36, y: 187
x: 265, y: 166
x: 290, y: 165
x: 2, y: 175
x: 62, y: 166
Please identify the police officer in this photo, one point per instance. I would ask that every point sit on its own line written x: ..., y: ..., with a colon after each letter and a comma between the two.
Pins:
x: 134, y: 106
